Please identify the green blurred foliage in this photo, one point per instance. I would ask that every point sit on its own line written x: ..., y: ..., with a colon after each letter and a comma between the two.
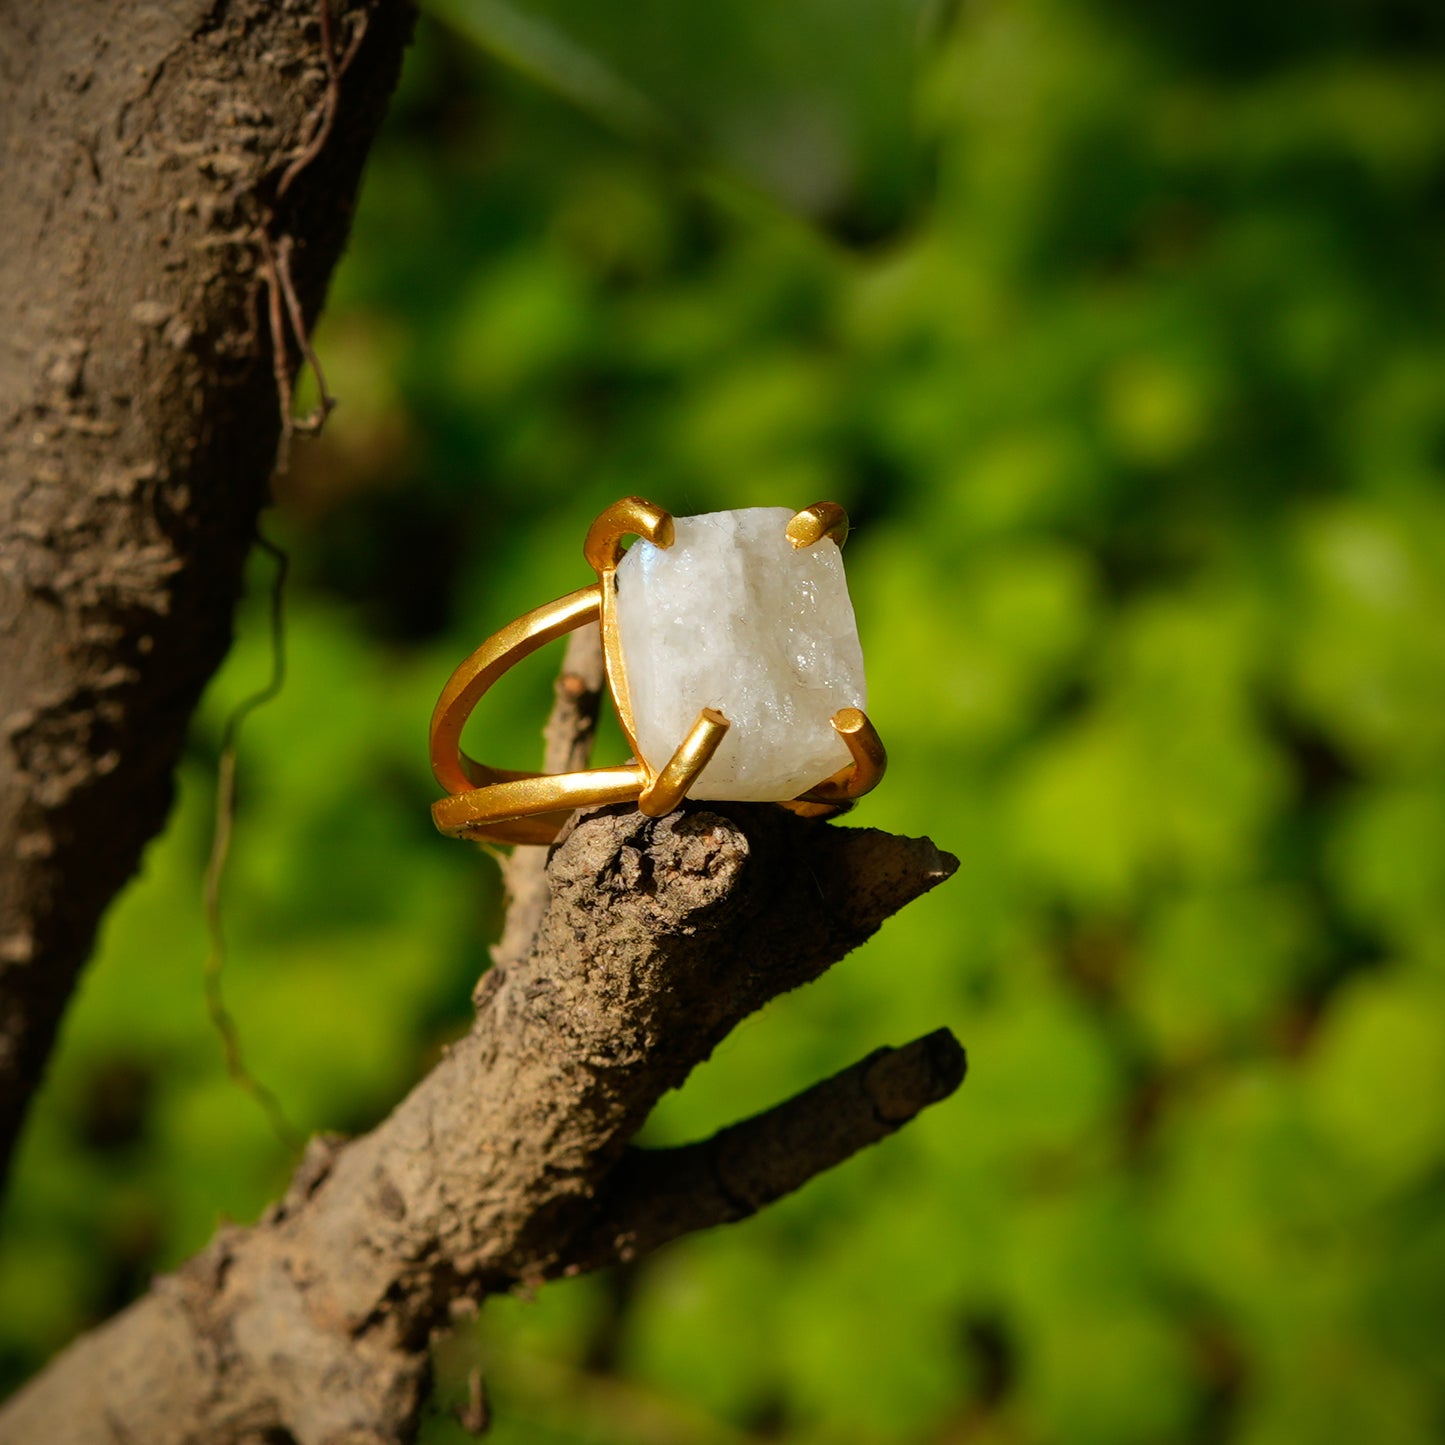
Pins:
x: 1118, y: 328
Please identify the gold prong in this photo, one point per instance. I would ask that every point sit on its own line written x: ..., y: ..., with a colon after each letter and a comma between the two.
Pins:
x: 865, y: 772
x: 694, y: 753
x: 812, y: 524
x: 632, y: 516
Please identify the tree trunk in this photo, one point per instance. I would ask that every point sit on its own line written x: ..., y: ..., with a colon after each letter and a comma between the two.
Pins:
x: 175, y: 178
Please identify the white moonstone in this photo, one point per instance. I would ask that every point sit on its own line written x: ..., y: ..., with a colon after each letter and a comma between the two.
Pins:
x: 734, y: 617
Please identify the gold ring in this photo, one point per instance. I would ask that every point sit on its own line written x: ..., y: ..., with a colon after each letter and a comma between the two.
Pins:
x: 518, y: 807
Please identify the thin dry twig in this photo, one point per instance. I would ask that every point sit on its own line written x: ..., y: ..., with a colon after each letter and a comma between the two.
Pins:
x: 276, y: 251
x: 331, y: 101
x: 315, y: 419
x: 280, y: 355
x: 473, y: 1416
x: 654, y: 1196
x: 569, y: 735
x: 221, y: 1016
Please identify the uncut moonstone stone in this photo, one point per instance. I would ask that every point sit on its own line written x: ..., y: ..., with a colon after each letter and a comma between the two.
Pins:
x: 733, y: 616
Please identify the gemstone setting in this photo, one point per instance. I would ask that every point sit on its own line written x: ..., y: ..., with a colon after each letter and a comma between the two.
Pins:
x: 733, y: 616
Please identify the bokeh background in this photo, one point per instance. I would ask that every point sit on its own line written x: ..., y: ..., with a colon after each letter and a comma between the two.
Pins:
x: 1120, y: 329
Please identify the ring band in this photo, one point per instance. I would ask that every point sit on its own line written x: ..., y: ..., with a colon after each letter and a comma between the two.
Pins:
x: 505, y: 806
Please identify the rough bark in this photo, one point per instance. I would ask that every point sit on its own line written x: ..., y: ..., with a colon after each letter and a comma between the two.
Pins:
x: 157, y: 164
x: 509, y: 1162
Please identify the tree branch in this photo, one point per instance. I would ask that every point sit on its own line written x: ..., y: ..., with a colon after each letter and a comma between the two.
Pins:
x: 657, y: 938
x: 654, y: 1196
x: 141, y: 172
x: 568, y: 737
